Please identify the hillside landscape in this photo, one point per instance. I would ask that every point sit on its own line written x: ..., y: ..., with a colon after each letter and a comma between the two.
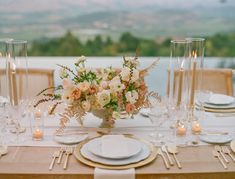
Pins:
x: 31, y: 19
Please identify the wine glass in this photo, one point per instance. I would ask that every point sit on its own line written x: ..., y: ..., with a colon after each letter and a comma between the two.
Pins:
x: 157, y: 115
x: 17, y: 73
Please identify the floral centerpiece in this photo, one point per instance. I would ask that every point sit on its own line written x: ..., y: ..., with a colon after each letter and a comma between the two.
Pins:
x: 108, y: 93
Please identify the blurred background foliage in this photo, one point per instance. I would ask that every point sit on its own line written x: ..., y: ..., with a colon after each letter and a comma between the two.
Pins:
x: 218, y: 45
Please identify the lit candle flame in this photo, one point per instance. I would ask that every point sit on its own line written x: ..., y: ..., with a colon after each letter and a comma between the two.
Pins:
x: 194, y: 54
x: 182, y: 64
x: 13, y: 66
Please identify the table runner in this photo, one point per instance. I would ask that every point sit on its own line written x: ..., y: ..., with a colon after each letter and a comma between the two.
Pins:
x: 140, y: 127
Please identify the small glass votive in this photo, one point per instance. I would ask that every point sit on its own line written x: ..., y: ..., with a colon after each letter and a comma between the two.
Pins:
x: 181, y: 130
x: 37, y: 125
x: 196, y: 127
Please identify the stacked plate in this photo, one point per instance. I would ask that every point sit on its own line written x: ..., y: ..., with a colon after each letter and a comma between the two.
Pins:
x: 218, y: 103
x: 115, y: 150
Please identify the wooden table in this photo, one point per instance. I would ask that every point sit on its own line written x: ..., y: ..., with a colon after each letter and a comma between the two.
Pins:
x: 33, y: 162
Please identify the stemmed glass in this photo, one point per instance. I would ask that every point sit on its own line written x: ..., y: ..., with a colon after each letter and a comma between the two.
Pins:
x: 157, y: 115
x: 17, y: 73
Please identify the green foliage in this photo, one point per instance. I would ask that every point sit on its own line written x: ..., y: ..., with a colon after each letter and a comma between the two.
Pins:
x: 219, y: 45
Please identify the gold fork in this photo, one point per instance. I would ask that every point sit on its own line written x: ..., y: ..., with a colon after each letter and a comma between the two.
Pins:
x: 54, y: 156
x: 62, y: 150
x: 68, y: 152
x: 217, y: 155
x: 227, y: 151
x: 218, y: 149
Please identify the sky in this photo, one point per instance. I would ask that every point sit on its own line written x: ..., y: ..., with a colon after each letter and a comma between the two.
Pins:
x: 16, y: 6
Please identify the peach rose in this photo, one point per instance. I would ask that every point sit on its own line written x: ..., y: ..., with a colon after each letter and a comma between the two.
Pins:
x: 130, y: 108
x: 76, y: 94
x: 92, y: 90
x: 85, y: 85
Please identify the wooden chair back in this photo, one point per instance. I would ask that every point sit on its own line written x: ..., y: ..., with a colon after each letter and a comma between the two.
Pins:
x: 38, y: 79
x: 219, y: 80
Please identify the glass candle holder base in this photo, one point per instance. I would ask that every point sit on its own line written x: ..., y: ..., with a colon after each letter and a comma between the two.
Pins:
x: 37, y: 135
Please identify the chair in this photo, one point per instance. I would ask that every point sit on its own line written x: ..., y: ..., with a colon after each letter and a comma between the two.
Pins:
x: 217, y: 80
x: 38, y: 79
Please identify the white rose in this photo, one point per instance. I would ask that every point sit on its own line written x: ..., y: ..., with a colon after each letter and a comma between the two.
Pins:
x: 132, y: 96
x: 81, y: 70
x: 86, y: 105
x: 116, y: 85
x: 66, y: 97
x: 67, y: 83
x: 103, y: 97
x: 81, y: 59
x: 135, y: 75
x: 104, y: 84
x: 125, y: 74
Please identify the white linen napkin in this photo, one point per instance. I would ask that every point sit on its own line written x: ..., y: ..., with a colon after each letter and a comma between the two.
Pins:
x: 114, y: 146
x: 114, y: 174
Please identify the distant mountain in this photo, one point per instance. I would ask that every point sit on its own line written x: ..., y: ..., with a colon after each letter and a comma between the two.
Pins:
x: 30, y: 19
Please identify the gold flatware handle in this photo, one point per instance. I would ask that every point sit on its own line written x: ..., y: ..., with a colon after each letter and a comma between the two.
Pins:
x: 221, y: 161
x: 223, y: 156
x: 169, y: 158
x: 232, y: 157
x: 52, y: 163
x: 66, y: 161
x: 177, y: 161
x: 165, y: 161
x: 60, y: 157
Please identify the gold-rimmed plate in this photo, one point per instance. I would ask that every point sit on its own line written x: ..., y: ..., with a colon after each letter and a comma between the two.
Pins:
x: 150, y: 158
x: 219, y: 110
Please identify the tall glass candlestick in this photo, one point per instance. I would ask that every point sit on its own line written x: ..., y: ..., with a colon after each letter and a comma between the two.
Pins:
x: 17, y: 71
x: 180, y: 64
x: 197, y: 63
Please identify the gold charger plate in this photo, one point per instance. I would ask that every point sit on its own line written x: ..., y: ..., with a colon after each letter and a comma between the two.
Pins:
x: 150, y: 158
x: 219, y: 110
x: 216, y: 110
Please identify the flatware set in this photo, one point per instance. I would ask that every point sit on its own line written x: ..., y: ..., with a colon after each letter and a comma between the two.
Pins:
x: 219, y: 152
x: 171, y: 149
x: 59, y: 154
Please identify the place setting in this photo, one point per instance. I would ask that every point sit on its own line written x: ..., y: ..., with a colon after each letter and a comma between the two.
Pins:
x: 115, y: 152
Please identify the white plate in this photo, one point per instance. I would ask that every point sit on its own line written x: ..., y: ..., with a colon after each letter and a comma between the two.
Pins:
x: 215, y: 138
x: 232, y: 145
x: 229, y: 106
x: 133, y: 147
x: 144, y: 153
x: 70, y: 139
x: 220, y: 99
